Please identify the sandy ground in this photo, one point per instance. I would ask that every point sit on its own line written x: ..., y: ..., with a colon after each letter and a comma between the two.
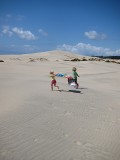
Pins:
x: 39, y: 124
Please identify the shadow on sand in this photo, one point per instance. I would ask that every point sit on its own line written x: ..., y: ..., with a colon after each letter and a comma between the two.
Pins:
x: 82, y: 88
x: 75, y: 91
x: 72, y: 91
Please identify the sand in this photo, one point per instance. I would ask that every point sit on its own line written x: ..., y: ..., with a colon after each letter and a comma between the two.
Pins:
x: 39, y: 124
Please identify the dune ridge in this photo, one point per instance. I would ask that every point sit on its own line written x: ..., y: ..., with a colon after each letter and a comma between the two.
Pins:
x: 55, y: 55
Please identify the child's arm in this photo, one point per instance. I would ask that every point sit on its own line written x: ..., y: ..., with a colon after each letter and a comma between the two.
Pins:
x: 77, y: 74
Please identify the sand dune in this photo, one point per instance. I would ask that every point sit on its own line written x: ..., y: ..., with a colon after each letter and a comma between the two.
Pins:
x: 50, y: 55
x: 39, y: 124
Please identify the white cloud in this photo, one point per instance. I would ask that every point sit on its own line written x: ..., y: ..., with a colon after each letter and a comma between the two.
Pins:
x: 88, y: 49
x: 24, y: 34
x: 28, y: 35
x: 6, y: 30
x: 94, y: 35
x: 41, y: 31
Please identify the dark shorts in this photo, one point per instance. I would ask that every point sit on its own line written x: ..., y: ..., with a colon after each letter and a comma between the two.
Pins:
x: 53, y: 82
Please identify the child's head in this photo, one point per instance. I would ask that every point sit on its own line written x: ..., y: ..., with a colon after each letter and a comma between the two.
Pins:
x: 74, y: 69
x: 51, y: 72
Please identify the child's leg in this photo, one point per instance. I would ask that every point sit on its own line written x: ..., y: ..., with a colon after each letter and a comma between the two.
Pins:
x: 76, y: 83
x: 68, y: 80
x: 56, y: 85
x: 52, y: 87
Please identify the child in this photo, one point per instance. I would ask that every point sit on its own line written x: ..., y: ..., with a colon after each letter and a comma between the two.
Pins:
x: 53, y: 82
x: 75, y: 75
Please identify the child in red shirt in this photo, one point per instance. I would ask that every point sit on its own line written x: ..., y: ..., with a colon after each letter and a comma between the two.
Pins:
x: 53, y: 82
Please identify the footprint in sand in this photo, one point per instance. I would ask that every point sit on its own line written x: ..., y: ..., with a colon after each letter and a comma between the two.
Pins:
x: 65, y: 134
x: 78, y: 143
x: 68, y: 113
x: 92, y: 108
x: 35, y: 140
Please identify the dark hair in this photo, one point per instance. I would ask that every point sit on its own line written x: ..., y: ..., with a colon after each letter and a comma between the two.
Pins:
x: 74, y: 69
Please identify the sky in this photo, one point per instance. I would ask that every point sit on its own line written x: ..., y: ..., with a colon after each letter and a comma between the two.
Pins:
x: 87, y: 27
